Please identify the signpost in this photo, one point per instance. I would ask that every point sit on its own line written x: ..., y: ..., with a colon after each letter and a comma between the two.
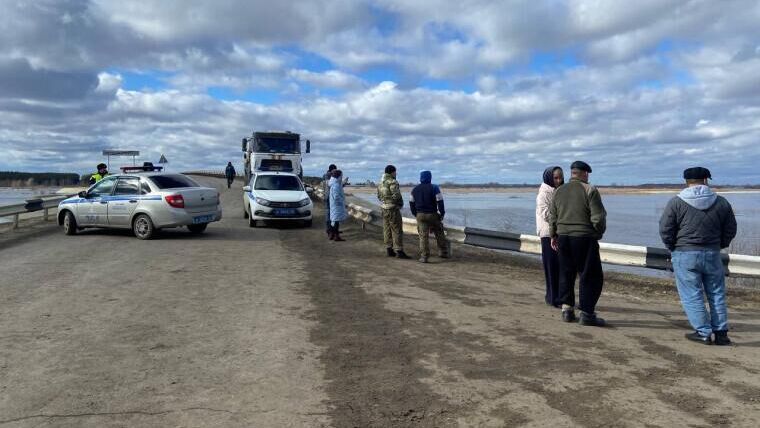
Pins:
x: 163, y: 161
x: 109, y: 153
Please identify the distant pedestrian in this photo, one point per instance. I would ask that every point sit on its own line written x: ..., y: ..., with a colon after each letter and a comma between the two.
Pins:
x: 101, y: 174
x: 326, y: 192
x: 338, y: 211
x: 391, y: 202
x: 695, y: 226
x: 552, y: 179
x: 577, y: 222
x: 427, y: 206
x: 230, y: 173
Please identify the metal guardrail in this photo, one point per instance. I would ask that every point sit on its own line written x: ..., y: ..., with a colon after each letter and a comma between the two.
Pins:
x: 43, y: 203
x: 738, y: 265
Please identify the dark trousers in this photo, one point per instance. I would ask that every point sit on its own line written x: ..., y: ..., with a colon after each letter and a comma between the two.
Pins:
x: 327, y: 216
x: 333, y: 229
x: 551, y: 271
x: 229, y: 181
x: 579, y: 256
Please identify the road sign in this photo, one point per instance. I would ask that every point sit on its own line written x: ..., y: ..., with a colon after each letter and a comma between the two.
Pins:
x: 163, y: 159
x: 109, y: 153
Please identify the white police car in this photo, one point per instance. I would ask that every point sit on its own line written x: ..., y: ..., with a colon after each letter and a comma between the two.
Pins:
x: 276, y: 196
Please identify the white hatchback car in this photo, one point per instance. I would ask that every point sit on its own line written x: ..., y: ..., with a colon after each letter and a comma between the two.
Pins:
x: 144, y: 202
x: 276, y: 196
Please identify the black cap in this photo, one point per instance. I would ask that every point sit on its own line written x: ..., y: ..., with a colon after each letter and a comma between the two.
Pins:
x: 583, y: 166
x: 102, y: 166
x: 696, y: 173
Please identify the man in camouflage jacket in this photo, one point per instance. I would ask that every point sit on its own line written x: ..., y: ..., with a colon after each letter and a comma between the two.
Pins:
x: 391, y: 202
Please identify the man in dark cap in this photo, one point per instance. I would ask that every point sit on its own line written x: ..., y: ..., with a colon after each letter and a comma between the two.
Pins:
x: 695, y: 226
x: 577, y: 221
x: 101, y: 174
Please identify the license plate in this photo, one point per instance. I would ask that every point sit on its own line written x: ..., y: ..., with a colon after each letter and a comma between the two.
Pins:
x: 203, y: 219
x: 284, y: 211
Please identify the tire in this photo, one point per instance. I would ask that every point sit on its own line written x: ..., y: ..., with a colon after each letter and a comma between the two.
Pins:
x: 70, y: 224
x: 307, y: 223
x: 245, y: 213
x: 197, y: 229
x: 142, y: 227
x: 251, y: 221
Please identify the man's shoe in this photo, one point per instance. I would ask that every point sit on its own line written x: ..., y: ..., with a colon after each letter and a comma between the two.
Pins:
x: 402, y: 255
x: 568, y: 315
x: 390, y: 252
x: 445, y: 255
x: 423, y: 259
x: 591, y: 320
x: 696, y: 337
x: 721, y: 338
x: 338, y: 238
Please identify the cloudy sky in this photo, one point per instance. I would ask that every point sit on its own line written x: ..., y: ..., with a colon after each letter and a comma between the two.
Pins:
x: 474, y: 90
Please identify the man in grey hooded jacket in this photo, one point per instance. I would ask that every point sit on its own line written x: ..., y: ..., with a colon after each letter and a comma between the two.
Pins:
x: 695, y: 226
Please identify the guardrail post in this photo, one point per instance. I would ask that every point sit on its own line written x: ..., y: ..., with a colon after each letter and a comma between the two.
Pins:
x: 15, y: 221
x: 45, y: 214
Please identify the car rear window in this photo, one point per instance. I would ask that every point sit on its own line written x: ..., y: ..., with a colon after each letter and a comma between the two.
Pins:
x: 172, y: 181
x: 277, y: 182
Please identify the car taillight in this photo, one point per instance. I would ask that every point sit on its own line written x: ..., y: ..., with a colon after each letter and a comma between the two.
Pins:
x: 177, y: 201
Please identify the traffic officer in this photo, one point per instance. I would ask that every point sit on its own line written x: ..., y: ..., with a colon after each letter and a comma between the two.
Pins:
x: 101, y: 174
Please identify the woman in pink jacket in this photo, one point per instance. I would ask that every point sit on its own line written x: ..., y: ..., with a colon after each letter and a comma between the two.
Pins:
x: 553, y: 178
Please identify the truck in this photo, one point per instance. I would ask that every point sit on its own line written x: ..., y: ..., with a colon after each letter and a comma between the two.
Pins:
x: 273, y: 151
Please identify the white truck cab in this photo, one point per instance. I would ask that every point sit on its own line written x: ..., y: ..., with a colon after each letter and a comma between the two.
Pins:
x: 278, y: 151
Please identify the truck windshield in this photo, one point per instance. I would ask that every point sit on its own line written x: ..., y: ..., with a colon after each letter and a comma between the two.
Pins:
x: 276, y: 145
x: 277, y: 182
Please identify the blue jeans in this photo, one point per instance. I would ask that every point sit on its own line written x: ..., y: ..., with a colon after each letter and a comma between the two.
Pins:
x: 700, y: 273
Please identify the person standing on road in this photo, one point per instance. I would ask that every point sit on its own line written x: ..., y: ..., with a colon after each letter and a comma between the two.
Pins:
x: 230, y: 173
x: 326, y: 192
x: 553, y: 178
x: 337, y: 199
x: 101, y: 174
x: 389, y: 194
x: 577, y: 221
x: 695, y: 226
x: 427, y: 206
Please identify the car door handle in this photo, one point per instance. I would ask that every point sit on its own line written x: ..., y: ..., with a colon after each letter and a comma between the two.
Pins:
x: 133, y: 201
x: 103, y: 202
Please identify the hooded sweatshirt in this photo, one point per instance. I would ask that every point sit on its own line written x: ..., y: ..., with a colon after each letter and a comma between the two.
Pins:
x: 427, y: 197
x: 697, y: 219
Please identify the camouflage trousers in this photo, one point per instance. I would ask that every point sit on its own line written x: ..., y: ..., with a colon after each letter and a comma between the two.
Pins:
x: 393, y: 231
x: 426, y: 223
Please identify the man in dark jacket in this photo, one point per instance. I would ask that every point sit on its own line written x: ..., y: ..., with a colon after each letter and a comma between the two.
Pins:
x: 427, y: 206
x: 577, y: 221
x: 230, y: 173
x: 695, y: 226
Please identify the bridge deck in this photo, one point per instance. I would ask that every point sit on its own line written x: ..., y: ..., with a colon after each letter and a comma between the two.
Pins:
x: 280, y: 327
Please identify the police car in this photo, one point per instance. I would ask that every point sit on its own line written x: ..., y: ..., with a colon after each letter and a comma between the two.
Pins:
x: 142, y: 201
x: 276, y: 196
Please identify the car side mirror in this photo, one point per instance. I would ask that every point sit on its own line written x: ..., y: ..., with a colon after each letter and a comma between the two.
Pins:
x: 308, y: 146
x: 308, y: 189
x: 246, y: 188
x: 82, y: 194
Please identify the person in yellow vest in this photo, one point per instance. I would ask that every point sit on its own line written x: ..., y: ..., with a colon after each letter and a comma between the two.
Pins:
x: 101, y: 174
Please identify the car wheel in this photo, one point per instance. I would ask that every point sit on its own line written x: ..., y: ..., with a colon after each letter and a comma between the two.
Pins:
x: 307, y: 223
x: 142, y: 226
x: 251, y: 221
x: 245, y: 212
x: 197, y: 228
x: 70, y: 224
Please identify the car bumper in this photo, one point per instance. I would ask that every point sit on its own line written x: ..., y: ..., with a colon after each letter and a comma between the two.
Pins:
x: 266, y: 213
x: 180, y: 217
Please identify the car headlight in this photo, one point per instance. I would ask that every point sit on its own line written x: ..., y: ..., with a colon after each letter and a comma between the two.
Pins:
x: 304, y: 202
x: 262, y: 201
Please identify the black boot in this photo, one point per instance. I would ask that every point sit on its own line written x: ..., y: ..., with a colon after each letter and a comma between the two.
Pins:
x: 721, y: 338
x: 568, y: 315
x: 390, y: 252
x: 591, y: 320
x: 696, y: 337
x: 402, y: 255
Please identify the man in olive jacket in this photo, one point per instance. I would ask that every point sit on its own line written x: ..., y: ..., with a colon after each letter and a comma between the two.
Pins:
x: 577, y: 221
x: 391, y: 202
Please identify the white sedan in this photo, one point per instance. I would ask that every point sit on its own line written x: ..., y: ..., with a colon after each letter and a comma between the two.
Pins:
x: 276, y: 196
x: 144, y: 202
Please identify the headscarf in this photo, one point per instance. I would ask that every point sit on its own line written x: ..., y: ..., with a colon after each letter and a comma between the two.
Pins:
x: 549, y: 175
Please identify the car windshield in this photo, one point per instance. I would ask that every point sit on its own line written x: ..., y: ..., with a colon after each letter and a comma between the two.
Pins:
x: 276, y: 145
x: 277, y: 182
x: 173, y: 181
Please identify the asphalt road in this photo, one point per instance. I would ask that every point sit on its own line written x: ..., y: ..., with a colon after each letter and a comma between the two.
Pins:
x: 276, y: 327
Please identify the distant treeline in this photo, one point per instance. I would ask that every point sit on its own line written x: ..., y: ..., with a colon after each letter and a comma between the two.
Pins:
x: 27, y: 179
